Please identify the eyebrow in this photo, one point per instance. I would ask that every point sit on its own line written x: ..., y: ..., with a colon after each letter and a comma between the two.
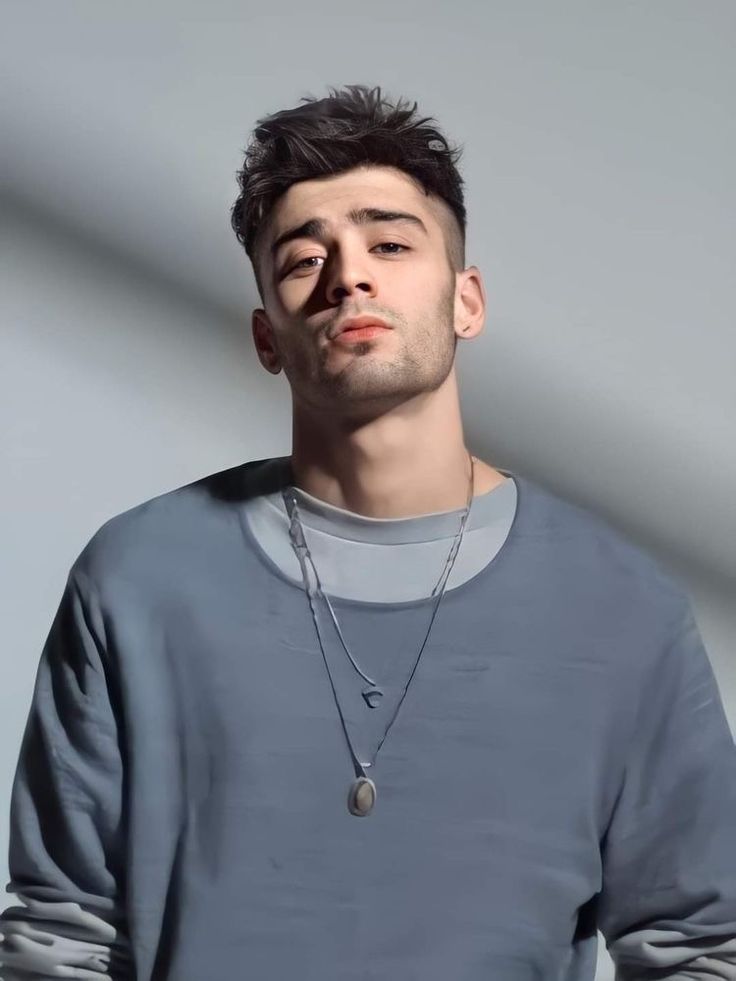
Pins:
x: 316, y: 227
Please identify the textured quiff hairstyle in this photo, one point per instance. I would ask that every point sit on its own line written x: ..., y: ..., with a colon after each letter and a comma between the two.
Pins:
x: 354, y: 126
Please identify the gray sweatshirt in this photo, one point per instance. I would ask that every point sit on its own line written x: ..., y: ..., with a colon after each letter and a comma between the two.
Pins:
x: 561, y: 763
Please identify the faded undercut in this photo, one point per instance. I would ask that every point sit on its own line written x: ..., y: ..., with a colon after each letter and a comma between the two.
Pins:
x: 354, y: 126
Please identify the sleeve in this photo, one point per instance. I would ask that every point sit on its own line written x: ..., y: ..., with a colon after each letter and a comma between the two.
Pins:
x: 667, y: 907
x: 67, y: 837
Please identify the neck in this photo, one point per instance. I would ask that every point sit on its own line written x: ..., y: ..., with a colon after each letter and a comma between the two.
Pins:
x: 406, y: 462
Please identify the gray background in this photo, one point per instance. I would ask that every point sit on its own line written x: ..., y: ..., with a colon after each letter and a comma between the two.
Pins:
x: 599, y: 161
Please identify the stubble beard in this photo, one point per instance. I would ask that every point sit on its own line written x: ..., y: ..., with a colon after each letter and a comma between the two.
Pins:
x: 372, y: 382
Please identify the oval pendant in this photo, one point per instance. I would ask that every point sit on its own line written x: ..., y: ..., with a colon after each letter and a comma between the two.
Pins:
x: 362, y: 797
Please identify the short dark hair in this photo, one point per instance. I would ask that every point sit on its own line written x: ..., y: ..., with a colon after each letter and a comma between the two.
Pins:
x: 352, y: 127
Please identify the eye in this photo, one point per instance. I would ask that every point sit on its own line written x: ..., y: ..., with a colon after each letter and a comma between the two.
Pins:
x: 308, y: 258
x: 311, y: 258
x: 393, y: 244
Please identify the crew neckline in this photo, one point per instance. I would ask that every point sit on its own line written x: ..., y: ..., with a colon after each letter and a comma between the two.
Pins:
x: 318, y: 515
x: 348, y: 603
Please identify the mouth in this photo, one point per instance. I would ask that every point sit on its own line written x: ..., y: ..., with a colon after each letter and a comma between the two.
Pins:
x: 354, y: 335
x: 359, y: 328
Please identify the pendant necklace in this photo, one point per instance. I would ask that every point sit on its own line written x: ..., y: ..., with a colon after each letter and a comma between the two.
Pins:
x: 362, y: 792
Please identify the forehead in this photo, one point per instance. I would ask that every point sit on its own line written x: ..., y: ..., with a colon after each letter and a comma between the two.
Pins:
x: 331, y: 198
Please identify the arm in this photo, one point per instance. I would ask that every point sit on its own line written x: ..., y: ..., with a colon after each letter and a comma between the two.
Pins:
x: 668, y: 904
x: 67, y: 840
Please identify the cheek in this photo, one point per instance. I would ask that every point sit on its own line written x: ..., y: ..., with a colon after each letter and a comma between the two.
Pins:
x: 411, y: 289
x: 293, y: 298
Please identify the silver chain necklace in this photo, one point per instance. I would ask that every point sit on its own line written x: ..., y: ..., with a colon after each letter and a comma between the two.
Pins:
x: 362, y: 793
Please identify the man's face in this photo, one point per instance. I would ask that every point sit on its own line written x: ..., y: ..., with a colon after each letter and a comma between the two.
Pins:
x: 395, y: 269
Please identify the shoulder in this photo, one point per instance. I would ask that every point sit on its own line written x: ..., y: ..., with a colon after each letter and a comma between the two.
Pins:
x: 173, y: 527
x: 592, y: 565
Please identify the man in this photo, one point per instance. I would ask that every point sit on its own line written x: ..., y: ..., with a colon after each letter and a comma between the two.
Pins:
x: 378, y: 710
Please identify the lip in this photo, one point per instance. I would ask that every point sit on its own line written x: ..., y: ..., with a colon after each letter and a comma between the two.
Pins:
x: 355, y: 323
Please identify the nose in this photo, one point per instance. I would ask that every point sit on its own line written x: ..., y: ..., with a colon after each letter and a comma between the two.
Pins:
x: 348, y: 272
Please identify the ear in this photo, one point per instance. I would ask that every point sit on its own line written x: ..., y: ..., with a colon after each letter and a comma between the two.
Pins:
x: 265, y: 341
x: 470, y: 303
